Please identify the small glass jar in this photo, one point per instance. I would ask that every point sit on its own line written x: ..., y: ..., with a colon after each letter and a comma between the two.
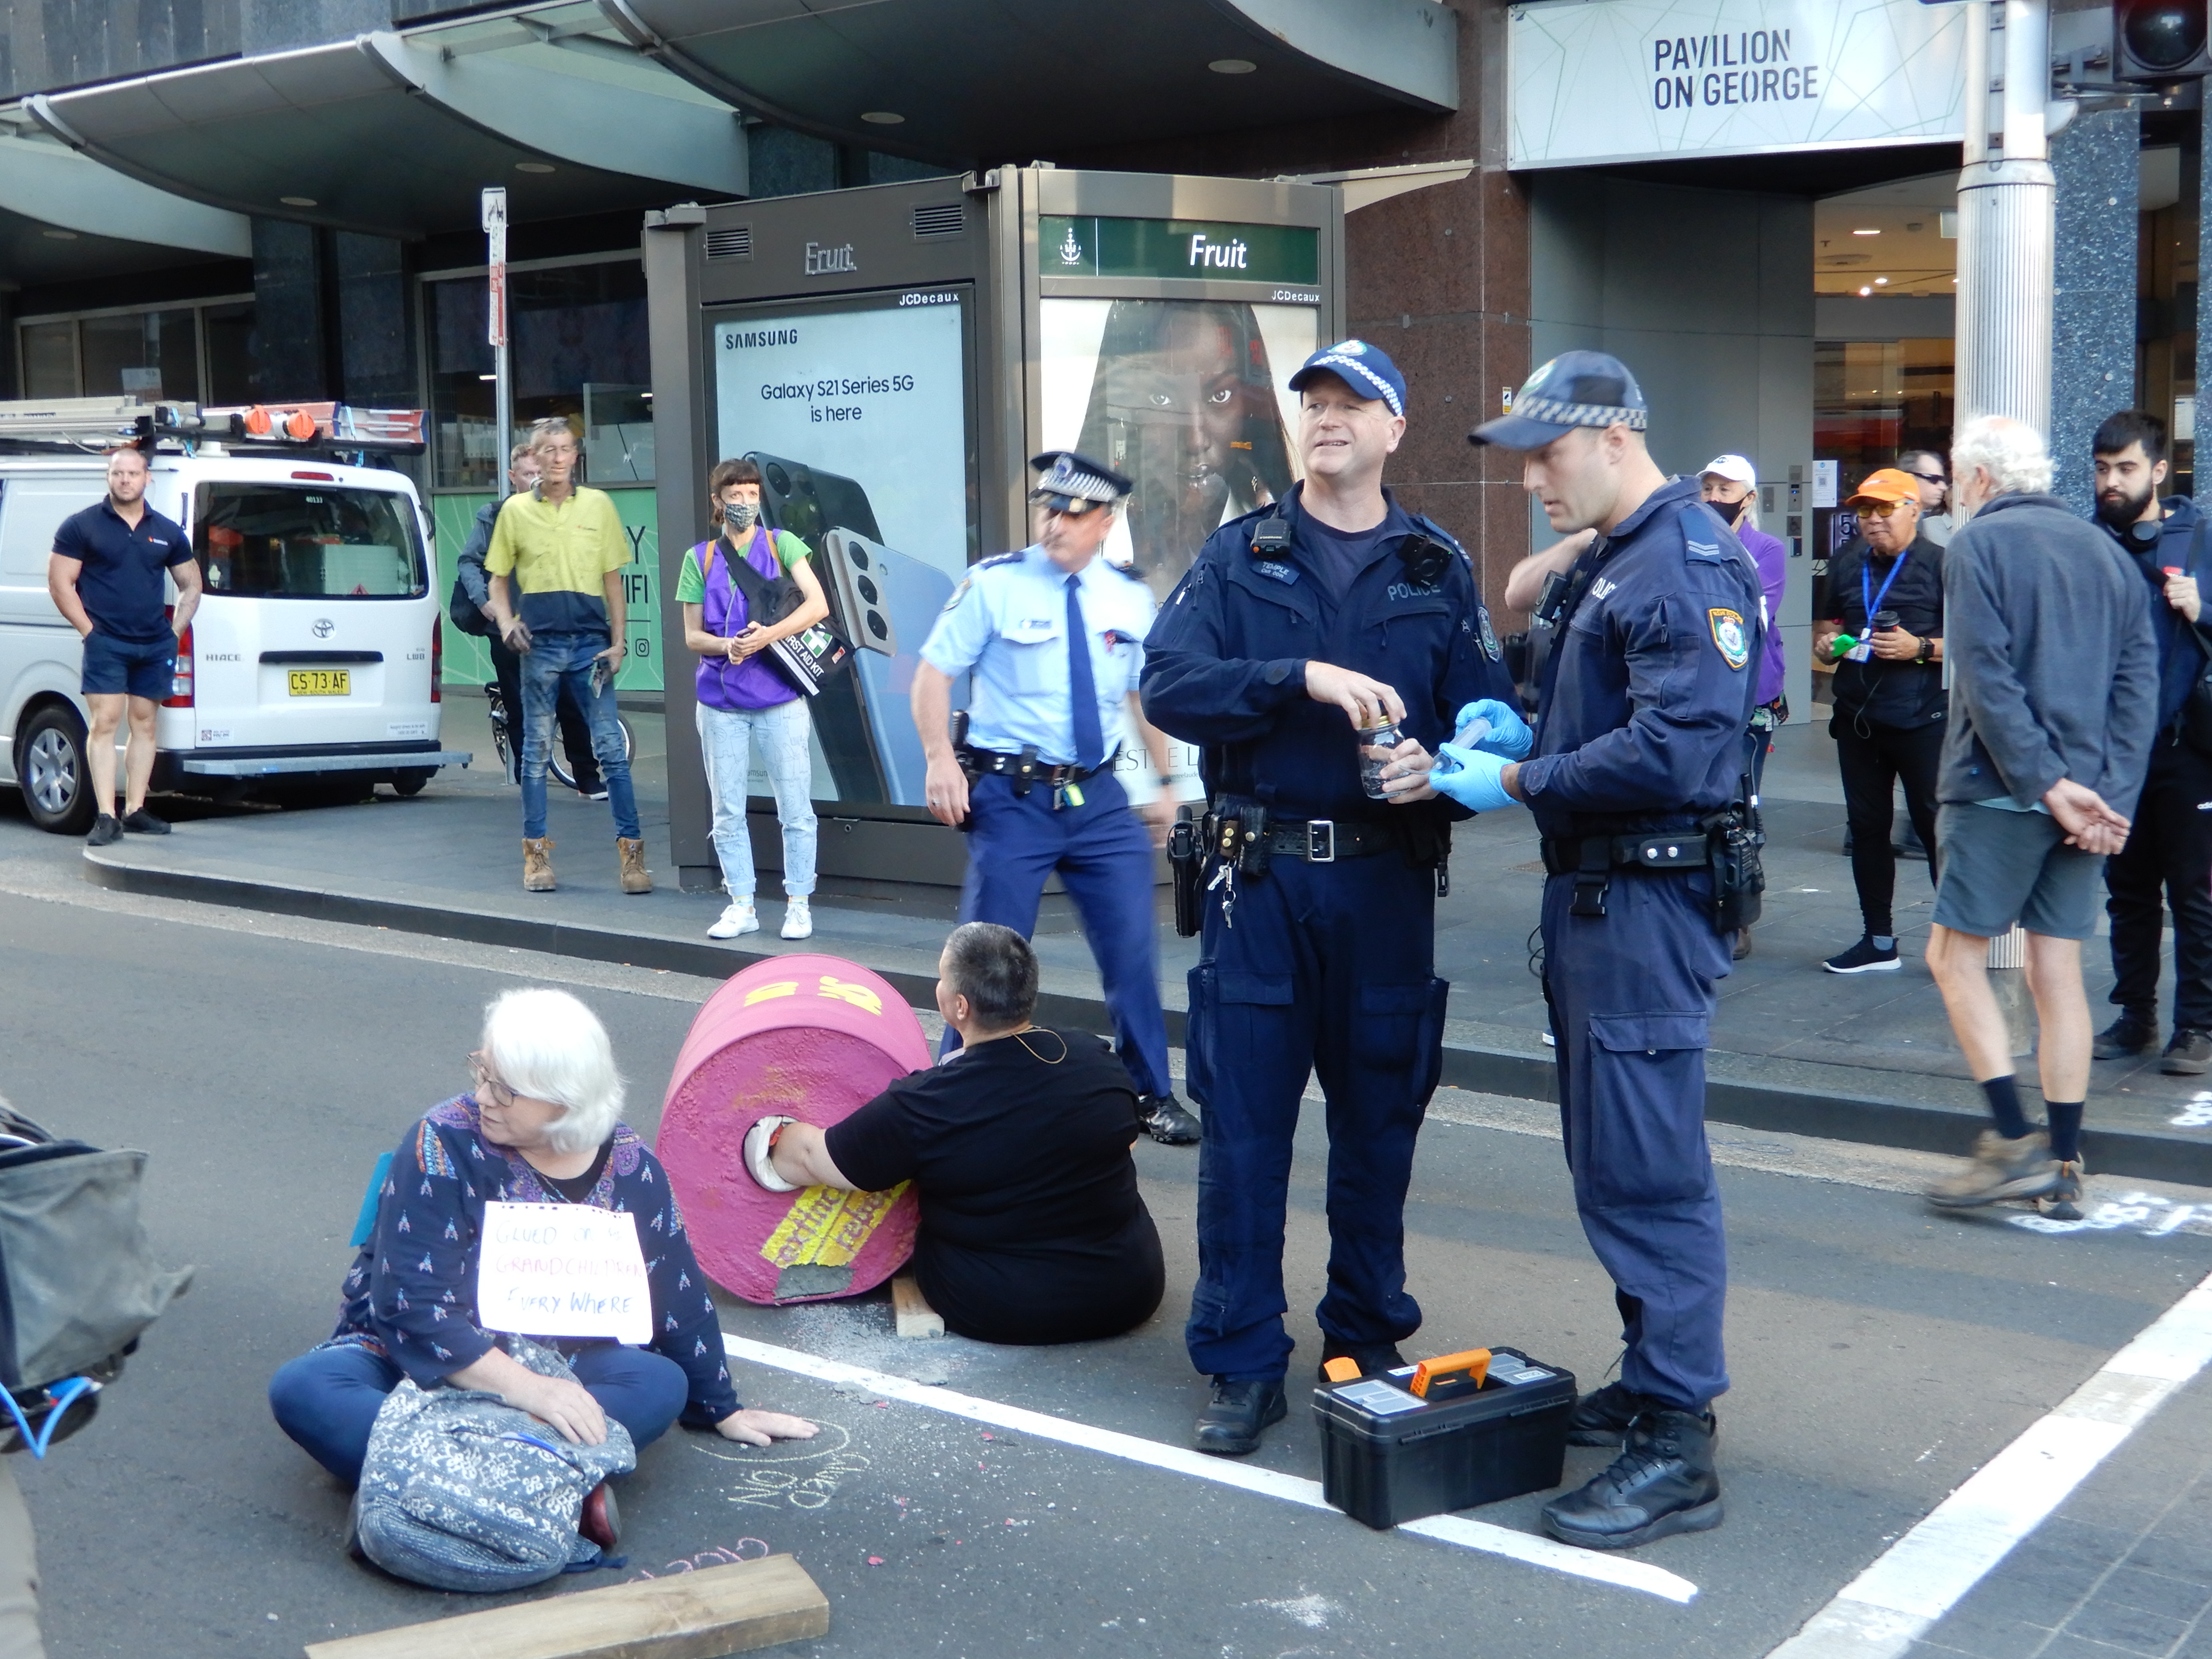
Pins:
x: 1376, y: 745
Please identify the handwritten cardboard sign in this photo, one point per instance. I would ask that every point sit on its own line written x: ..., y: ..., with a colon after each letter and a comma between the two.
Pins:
x: 562, y: 1270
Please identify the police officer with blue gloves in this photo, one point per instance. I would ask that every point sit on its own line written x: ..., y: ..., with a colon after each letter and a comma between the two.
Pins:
x: 1636, y: 784
x: 1054, y: 635
x: 1300, y: 630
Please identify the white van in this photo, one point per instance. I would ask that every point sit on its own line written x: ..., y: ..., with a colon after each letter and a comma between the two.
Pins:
x: 312, y: 660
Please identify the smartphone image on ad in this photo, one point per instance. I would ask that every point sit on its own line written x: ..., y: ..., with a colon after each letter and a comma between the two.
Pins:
x: 889, y: 600
x: 884, y: 601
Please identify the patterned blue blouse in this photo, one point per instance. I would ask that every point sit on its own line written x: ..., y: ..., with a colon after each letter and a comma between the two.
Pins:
x: 410, y: 1294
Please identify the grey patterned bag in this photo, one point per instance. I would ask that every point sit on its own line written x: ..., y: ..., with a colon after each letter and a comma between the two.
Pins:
x: 463, y: 1492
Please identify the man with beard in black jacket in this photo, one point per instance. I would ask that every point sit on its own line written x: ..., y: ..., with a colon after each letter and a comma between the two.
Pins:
x: 2167, y: 861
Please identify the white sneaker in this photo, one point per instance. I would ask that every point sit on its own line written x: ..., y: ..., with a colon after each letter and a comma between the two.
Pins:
x: 736, y: 918
x: 798, y: 919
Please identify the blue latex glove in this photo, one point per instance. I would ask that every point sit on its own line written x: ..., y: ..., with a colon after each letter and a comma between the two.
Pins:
x: 1474, y: 779
x: 1509, y: 736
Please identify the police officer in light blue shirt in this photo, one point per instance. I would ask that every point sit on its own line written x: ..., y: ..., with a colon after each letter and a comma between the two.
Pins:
x: 1055, y: 638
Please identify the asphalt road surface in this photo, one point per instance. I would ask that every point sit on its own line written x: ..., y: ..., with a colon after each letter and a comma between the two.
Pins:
x: 1881, y: 1355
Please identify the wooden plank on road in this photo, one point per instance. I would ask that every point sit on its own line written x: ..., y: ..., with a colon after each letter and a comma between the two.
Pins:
x: 691, y: 1615
x: 912, y: 1310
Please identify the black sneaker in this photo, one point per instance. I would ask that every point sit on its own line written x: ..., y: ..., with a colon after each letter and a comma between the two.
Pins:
x: 1373, y: 1357
x: 2189, y: 1055
x: 106, y: 831
x: 1166, y: 1120
x: 2130, y: 1033
x: 1864, y: 957
x: 1602, y: 1417
x: 1233, y: 1419
x: 1663, y: 1483
x: 143, y: 822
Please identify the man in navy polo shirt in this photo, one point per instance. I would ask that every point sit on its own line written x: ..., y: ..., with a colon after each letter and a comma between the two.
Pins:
x: 106, y: 579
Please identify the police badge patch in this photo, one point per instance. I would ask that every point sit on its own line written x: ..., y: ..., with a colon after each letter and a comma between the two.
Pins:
x: 1729, y: 637
x: 958, y: 593
x: 1490, y: 639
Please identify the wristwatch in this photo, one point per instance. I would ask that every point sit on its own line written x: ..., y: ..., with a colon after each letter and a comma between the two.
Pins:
x: 1925, y: 653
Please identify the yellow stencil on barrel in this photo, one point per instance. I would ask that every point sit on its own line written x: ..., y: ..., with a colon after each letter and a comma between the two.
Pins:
x: 827, y: 1228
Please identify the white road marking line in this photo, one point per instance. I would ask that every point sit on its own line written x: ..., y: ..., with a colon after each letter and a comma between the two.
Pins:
x: 1925, y: 1574
x: 1628, y: 1574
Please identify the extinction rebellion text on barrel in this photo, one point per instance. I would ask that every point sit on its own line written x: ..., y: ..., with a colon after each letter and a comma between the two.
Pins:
x: 1752, y: 66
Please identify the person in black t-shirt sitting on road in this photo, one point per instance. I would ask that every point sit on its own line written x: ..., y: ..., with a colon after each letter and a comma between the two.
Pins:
x: 1890, y: 701
x: 1032, y: 1229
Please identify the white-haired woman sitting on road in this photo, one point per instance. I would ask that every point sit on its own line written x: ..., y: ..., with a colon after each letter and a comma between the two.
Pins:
x: 541, y: 1126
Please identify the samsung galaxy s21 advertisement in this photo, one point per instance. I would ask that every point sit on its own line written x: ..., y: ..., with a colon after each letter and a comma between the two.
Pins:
x: 857, y: 412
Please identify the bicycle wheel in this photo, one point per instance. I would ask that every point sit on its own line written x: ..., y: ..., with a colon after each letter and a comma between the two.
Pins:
x: 557, y: 763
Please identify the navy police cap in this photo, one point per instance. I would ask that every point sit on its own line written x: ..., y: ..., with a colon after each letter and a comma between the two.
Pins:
x: 1069, y: 477
x: 1576, y: 388
x: 1366, y: 369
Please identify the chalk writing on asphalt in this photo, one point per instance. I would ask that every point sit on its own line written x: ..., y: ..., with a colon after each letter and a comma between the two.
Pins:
x: 2142, y: 1212
x: 722, y: 1555
x: 800, y: 1474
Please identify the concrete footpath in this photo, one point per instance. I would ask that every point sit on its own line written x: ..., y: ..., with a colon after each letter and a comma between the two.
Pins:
x: 1866, y: 1058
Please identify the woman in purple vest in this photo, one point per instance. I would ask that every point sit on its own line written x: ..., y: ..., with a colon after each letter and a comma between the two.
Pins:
x: 743, y: 696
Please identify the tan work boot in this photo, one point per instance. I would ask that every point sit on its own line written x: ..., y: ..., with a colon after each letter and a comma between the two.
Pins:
x: 537, y: 864
x: 2001, y: 1170
x: 635, y: 877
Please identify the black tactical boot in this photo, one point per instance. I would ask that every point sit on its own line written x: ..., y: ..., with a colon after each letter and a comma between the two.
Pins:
x: 1231, y: 1424
x: 1601, y: 1418
x: 1166, y: 1120
x: 1663, y: 1483
x: 1374, y: 1358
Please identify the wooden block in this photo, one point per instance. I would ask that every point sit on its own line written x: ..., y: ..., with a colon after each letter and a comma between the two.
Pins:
x: 915, y: 1316
x: 690, y: 1615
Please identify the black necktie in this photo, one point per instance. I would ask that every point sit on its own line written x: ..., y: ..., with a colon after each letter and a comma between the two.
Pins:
x: 1082, y: 688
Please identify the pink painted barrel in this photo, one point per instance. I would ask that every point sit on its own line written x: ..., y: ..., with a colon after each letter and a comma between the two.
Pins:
x: 805, y: 1036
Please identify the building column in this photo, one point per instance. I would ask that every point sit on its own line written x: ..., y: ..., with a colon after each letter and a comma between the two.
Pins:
x: 291, y: 344
x: 374, y: 349
x: 2093, y: 332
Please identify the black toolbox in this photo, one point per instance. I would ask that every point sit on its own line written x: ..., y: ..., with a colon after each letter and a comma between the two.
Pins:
x: 1389, y: 1457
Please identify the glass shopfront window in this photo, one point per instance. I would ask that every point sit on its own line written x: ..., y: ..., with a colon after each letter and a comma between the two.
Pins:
x: 579, y: 353
x: 180, y: 354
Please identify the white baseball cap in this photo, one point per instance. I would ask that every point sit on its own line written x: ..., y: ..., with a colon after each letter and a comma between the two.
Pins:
x: 1734, y: 468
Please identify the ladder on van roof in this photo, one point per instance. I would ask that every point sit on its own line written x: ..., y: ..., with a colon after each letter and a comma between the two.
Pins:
x: 99, y: 424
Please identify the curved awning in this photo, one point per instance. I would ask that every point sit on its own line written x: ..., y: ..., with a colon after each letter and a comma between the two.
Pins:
x: 972, y: 81
x: 395, y: 134
x: 59, y: 212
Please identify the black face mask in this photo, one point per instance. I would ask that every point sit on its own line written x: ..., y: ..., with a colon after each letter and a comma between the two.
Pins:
x: 1731, y: 512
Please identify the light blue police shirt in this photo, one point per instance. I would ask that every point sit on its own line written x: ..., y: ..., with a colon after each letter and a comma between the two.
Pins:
x: 1008, y: 623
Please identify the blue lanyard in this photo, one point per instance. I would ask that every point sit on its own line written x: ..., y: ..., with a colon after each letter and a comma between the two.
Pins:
x: 1865, y: 583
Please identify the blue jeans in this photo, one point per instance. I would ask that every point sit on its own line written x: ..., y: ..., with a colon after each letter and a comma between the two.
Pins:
x: 555, y: 659
x: 725, y: 739
x: 327, y: 1399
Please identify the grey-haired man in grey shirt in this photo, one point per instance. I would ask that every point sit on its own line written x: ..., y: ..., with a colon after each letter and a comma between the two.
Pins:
x: 2054, y: 695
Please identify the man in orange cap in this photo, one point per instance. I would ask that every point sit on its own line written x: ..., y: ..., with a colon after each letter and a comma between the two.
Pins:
x: 1885, y: 596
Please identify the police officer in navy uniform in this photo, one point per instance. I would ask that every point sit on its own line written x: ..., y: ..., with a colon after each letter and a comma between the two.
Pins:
x: 1054, y: 637
x: 1638, y: 755
x: 1325, y: 615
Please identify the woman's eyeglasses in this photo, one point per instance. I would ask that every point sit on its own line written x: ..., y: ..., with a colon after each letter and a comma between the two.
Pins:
x: 489, y: 1087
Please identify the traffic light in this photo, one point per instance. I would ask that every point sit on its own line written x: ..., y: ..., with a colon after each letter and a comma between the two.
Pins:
x: 2159, y: 41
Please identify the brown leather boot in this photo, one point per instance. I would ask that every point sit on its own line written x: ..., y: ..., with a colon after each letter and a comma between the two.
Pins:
x: 538, y: 865
x: 635, y: 877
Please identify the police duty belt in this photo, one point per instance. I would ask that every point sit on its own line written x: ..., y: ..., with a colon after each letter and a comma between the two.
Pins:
x: 1026, y: 769
x: 1316, y: 841
x: 1660, y: 850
